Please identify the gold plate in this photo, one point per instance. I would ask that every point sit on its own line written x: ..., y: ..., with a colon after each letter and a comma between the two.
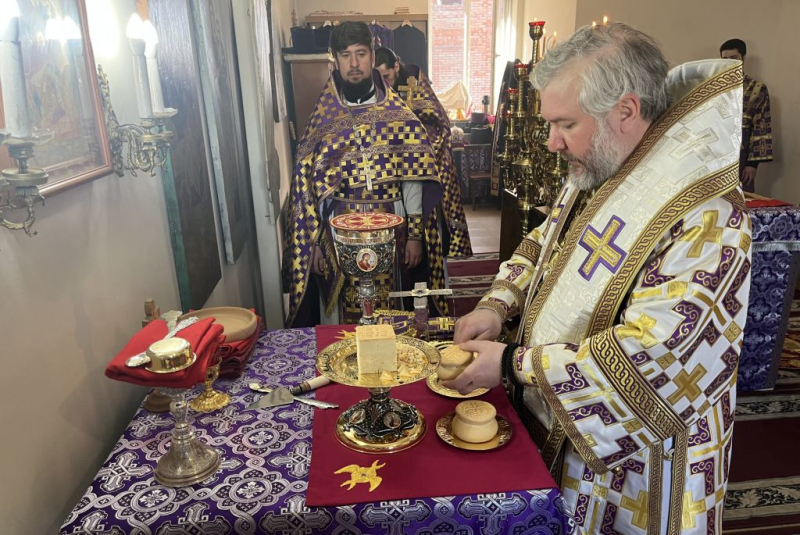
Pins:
x: 444, y: 428
x: 416, y: 360
x: 176, y: 369
x: 436, y: 386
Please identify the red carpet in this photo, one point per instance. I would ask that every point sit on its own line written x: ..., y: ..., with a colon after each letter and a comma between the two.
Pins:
x: 469, y: 280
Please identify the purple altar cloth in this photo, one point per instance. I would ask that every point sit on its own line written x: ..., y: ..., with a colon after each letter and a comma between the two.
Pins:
x: 776, y: 261
x: 261, y: 485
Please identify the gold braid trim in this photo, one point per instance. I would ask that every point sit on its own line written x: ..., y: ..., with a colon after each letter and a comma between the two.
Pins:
x: 736, y: 198
x: 679, y: 459
x: 716, y: 85
x: 714, y: 185
x: 415, y: 229
x: 511, y: 287
x: 496, y: 307
x: 655, y: 482
x: 564, y: 421
x: 632, y: 387
x: 529, y: 249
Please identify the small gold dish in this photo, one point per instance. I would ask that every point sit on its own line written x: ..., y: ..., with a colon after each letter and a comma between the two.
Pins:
x: 170, y: 355
x: 435, y: 384
x: 444, y: 428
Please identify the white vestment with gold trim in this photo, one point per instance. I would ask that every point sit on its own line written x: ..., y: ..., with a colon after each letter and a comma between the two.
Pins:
x: 632, y: 320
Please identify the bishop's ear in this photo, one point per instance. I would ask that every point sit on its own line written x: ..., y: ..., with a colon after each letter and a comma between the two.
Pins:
x: 628, y: 111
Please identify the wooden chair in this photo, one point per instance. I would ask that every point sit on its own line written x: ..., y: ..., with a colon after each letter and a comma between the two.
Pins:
x: 476, y: 166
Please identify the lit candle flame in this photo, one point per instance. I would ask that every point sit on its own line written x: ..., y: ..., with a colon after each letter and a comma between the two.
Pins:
x: 555, y: 34
x: 605, y: 20
x: 594, y: 24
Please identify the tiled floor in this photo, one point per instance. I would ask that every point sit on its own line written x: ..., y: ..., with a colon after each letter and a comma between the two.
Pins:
x: 484, y: 228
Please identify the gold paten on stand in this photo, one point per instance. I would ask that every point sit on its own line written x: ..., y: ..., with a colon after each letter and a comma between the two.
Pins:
x: 210, y: 400
x: 379, y: 424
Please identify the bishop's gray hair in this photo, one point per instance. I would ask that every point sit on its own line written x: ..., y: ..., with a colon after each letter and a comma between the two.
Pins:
x: 614, y: 60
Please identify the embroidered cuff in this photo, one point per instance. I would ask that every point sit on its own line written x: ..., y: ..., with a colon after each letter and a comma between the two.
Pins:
x: 498, y: 307
x: 511, y: 287
x: 415, y: 229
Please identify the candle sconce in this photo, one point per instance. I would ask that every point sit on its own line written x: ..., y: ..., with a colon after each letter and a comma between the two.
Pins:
x: 19, y: 186
x: 135, y: 147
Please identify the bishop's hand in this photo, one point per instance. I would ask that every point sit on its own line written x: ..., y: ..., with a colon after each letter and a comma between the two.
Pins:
x: 484, y: 372
x: 480, y: 324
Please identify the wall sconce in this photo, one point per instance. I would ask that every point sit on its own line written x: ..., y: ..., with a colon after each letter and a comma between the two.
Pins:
x: 19, y: 185
x: 148, y: 142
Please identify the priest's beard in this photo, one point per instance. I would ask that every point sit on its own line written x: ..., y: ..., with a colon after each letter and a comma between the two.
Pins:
x: 353, y: 92
x: 602, y: 160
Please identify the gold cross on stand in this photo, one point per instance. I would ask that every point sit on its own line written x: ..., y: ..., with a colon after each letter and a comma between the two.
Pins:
x: 420, y: 294
x: 709, y: 233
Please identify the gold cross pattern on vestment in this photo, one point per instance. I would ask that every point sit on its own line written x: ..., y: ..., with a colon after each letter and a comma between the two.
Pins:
x: 687, y: 385
x: 697, y: 144
x: 640, y: 329
x: 691, y: 509
x: 412, y: 89
x: 602, y: 249
x: 639, y: 508
x: 699, y: 236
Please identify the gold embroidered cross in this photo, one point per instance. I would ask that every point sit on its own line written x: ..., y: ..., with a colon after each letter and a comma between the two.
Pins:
x: 412, y: 89
x: 359, y: 474
x: 709, y: 232
x: 697, y: 144
x: 687, y: 385
x: 640, y: 329
x: 690, y: 510
x: 639, y: 507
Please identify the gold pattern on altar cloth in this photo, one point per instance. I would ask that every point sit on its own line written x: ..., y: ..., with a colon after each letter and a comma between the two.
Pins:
x: 699, y: 236
x: 687, y: 385
x: 697, y: 144
x: 732, y: 332
x: 691, y: 509
x: 640, y: 329
x: 359, y: 474
x: 600, y: 247
x: 638, y: 507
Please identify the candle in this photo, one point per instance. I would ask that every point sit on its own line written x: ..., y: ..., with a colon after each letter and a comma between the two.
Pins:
x: 135, y: 33
x: 12, y: 74
x: 151, y: 44
x: 594, y: 24
x: 605, y: 20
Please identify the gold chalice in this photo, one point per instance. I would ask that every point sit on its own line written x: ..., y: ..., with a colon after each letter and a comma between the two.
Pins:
x: 379, y: 424
x: 209, y: 399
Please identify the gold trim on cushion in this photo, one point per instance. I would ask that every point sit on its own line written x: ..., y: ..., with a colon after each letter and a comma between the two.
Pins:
x: 632, y: 387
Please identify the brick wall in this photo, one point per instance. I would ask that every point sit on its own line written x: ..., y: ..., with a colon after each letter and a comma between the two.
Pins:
x: 450, y: 43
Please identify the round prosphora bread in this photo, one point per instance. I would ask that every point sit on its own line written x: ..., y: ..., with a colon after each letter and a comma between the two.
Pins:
x: 453, y: 361
x: 475, y: 421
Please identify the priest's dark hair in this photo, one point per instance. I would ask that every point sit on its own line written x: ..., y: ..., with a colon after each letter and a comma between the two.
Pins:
x: 350, y: 33
x: 386, y: 56
x: 734, y: 44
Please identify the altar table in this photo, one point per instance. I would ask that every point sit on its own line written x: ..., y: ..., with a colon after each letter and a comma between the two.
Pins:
x: 261, y: 485
x: 774, y: 271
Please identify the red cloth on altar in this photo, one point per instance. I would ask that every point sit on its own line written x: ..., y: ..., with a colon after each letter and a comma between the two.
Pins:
x: 431, y: 468
x: 761, y: 203
x: 233, y: 356
x: 204, y: 337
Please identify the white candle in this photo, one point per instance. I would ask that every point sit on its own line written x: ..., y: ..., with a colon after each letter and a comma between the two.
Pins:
x: 151, y: 45
x: 12, y: 75
x: 135, y: 35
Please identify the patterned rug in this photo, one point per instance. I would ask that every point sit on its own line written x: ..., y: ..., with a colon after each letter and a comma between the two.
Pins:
x: 470, y: 278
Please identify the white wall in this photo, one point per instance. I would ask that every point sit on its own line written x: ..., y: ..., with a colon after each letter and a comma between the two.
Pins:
x: 690, y: 30
x: 558, y: 17
x: 69, y: 300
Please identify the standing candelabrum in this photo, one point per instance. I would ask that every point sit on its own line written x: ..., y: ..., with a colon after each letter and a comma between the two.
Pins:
x: 365, y: 247
x: 535, y: 173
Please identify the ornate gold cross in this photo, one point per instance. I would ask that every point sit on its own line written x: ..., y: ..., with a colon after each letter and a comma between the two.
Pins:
x: 640, y: 329
x: 639, y: 507
x: 412, y: 89
x: 687, y: 385
x: 602, y: 249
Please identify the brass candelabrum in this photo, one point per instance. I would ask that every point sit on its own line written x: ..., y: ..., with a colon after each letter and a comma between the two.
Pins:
x: 526, y: 164
x: 19, y: 186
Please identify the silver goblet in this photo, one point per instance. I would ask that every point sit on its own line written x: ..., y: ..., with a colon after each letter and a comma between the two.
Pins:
x: 365, y: 247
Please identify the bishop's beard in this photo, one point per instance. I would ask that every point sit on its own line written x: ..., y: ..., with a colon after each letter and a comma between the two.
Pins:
x: 602, y: 161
